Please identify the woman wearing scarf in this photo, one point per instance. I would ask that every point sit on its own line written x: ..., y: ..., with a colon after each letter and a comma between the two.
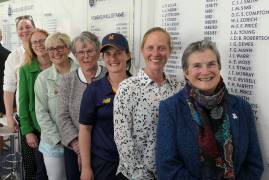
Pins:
x: 203, y: 131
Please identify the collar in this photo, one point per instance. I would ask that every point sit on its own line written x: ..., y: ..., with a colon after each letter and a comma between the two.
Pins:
x: 54, y: 74
x: 107, y: 88
x: 145, y: 79
x: 34, y: 66
x: 98, y: 71
x: 83, y: 78
x: 21, y: 48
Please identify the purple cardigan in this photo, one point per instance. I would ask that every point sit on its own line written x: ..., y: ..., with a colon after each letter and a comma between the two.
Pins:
x: 177, y: 150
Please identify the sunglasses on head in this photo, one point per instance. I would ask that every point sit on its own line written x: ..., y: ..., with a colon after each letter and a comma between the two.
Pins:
x: 29, y: 17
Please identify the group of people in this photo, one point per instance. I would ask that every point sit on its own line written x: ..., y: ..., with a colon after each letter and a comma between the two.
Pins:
x: 82, y: 120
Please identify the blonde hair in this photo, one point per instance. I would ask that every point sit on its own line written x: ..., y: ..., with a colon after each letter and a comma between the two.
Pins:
x: 156, y: 29
x: 58, y: 36
x: 29, y: 53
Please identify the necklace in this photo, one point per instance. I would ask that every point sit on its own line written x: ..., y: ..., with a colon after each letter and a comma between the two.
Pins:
x: 114, y: 84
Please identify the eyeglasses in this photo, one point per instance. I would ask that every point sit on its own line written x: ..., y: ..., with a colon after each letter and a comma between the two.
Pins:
x: 37, y: 42
x: 29, y: 17
x: 58, y: 49
x: 91, y: 52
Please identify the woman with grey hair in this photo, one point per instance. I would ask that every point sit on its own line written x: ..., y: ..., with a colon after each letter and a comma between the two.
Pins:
x: 203, y: 131
x: 46, y: 103
x: 85, y: 48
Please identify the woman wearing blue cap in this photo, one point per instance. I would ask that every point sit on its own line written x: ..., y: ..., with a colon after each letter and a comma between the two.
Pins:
x: 100, y: 156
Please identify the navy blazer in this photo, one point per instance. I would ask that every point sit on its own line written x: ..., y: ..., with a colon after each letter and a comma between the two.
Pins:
x: 177, y: 150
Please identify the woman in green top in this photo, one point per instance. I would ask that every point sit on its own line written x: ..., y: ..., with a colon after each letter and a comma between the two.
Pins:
x: 36, y: 60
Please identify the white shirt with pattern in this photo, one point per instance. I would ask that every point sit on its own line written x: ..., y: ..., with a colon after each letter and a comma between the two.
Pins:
x: 136, y: 107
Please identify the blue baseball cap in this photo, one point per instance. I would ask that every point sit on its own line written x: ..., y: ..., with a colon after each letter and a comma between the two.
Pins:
x: 115, y: 40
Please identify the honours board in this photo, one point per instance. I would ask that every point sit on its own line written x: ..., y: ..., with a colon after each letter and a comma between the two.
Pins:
x: 240, y: 29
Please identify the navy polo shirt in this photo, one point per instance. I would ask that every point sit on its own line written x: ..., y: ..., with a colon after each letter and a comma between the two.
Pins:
x: 97, y: 110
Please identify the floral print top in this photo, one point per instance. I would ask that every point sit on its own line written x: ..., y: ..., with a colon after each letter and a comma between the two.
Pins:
x: 136, y: 107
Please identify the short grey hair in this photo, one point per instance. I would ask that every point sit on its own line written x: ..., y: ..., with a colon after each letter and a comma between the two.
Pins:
x: 199, y: 46
x: 86, y: 37
x: 58, y: 36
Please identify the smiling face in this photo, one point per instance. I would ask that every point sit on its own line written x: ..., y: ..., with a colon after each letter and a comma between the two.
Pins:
x: 115, y: 59
x: 58, y: 52
x: 24, y: 29
x: 38, y: 43
x: 156, y: 51
x: 203, y: 70
x: 86, y: 55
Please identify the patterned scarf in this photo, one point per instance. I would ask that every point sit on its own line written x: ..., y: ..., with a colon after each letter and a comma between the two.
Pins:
x: 215, y: 139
